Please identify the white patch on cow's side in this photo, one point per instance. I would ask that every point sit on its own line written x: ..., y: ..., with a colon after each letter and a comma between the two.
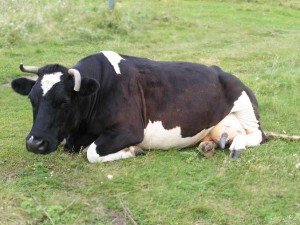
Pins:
x: 94, y: 157
x: 157, y: 137
x: 49, y: 80
x: 114, y: 58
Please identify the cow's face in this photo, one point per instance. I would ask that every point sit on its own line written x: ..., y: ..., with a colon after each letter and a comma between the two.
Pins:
x: 54, y: 104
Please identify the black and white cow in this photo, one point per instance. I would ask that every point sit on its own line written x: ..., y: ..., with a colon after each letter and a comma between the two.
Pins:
x: 116, y: 106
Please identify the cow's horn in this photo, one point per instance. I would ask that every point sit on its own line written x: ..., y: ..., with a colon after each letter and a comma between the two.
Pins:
x: 77, y: 78
x: 29, y: 69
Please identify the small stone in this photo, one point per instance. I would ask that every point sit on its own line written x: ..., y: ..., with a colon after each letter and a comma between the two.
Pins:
x: 109, y: 176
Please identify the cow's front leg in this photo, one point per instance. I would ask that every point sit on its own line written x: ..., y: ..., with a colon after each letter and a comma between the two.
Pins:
x: 94, y: 157
x: 115, y: 146
x: 76, y: 142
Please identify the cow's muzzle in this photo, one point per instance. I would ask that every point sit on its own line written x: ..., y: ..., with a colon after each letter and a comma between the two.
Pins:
x: 37, y: 145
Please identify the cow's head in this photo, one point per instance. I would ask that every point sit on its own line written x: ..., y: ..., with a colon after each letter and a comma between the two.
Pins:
x: 55, y: 97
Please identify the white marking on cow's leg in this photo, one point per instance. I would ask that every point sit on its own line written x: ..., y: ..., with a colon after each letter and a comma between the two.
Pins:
x: 254, y: 138
x: 49, y: 80
x: 237, y: 146
x: 238, y: 143
x: 94, y: 157
x: 241, y: 142
x: 244, y: 112
x: 63, y: 142
x: 122, y: 154
x: 92, y: 154
x: 114, y: 58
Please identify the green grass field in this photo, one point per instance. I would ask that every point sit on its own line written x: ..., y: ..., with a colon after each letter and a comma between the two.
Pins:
x: 258, y: 41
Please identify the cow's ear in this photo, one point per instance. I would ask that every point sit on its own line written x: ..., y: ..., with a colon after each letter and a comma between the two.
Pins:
x: 22, y: 85
x: 88, y: 87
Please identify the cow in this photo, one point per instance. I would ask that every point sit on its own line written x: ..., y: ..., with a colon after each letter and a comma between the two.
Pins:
x: 117, y: 106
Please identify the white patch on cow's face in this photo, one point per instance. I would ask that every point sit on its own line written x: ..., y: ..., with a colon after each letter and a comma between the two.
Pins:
x: 94, y: 157
x: 49, y: 80
x: 157, y: 137
x: 114, y: 58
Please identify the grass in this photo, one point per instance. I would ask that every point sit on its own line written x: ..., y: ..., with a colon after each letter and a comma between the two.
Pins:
x: 256, y: 40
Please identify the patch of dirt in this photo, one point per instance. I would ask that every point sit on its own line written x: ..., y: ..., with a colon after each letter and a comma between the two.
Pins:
x: 112, y: 217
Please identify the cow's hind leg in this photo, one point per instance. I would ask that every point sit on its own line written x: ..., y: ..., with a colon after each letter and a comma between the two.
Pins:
x: 93, y: 156
x: 244, y: 112
x: 241, y: 142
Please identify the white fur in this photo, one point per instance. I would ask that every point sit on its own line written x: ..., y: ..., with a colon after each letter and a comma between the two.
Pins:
x: 157, y: 137
x: 49, y: 80
x: 63, y: 142
x: 230, y: 125
x: 240, y: 142
x: 114, y: 58
x: 254, y: 138
x: 244, y: 112
x: 94, y: 157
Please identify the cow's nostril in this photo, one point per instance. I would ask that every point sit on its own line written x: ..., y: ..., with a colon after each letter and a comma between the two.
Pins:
x: 36, y: 145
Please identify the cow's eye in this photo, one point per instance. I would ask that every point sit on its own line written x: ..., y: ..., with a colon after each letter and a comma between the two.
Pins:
x: 63, y: 103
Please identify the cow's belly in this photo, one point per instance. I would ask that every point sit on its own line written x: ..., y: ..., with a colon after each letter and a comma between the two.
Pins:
x: 157, y: 137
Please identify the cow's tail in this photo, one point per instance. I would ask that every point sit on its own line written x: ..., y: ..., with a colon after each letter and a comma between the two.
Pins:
x: 273, y: 135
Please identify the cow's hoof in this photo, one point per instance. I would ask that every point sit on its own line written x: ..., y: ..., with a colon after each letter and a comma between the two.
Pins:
x: 208, y: 148
x: 235, y: 154
x: 136, y: 150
